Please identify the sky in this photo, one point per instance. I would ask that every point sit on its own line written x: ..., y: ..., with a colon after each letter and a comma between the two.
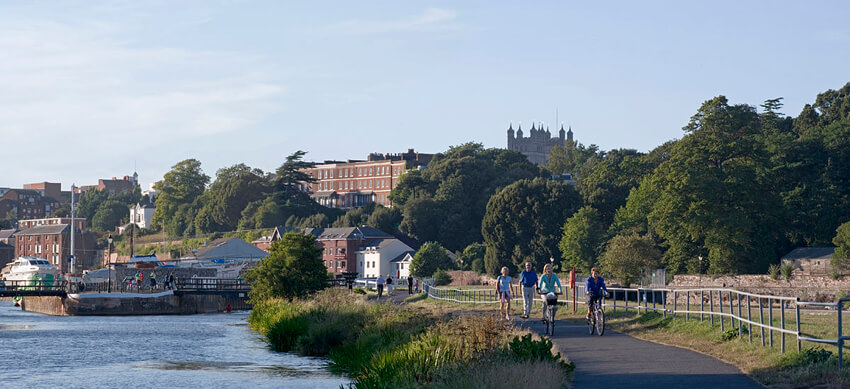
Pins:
x: 96, y: 89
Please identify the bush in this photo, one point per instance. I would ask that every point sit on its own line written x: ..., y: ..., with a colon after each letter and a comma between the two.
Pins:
x: 774, y: 271
x: 477, y: 265
x: 733, y: 333
x: 787, y: 269
x: 359, y: 290
x: 809, y: 356
x: 442, y: 277
x: 528, y: 349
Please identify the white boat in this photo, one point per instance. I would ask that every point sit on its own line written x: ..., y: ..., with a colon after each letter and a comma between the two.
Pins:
x: 30, y: 271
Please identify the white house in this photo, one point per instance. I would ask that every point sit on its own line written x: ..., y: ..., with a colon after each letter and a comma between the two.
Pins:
x: 401, y: 264
x: 376, y: 257
x: 141, y: 215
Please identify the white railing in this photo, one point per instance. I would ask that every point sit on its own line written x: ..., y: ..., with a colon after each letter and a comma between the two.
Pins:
x: 726, y: 305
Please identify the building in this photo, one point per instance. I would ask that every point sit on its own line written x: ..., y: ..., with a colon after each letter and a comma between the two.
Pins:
x: 340, y: 245
x: 234, y: 249
x: 141, y: 215
x: 353, y: 184
x: 52, y: 190
x: 8, y: 236
x: 536, y: 146
x: 401, y: 264
x: 112, y: 186
x: 26, y: 204
x: 265, y: 242
x: 7, y: 246
x: 810, y: 261
x: 375, y: 257
x: 53, y: 242
x: 81, y: 223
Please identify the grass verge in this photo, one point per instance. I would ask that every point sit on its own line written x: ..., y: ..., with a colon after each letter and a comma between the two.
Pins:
x: 386, y: 345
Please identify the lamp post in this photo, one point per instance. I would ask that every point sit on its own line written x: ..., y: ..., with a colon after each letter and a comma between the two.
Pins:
x: 109, y: 269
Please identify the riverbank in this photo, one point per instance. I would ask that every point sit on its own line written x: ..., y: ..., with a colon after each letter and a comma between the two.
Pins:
x: 388, y: 345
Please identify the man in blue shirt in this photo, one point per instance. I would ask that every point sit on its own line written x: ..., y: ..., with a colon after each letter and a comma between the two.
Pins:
x: 528, y: 280
x: 594, y: 287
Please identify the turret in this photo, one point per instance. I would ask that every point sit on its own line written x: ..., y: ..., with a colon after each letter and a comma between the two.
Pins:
x: 519, y: 131
x: 510, y: 135
x: 570, y: 133
x: 562, y: 134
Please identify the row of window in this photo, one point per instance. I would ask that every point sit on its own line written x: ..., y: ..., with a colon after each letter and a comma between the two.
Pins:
x: 360, y: 184
x: 339, y: 264
x: 330, y: 250
x: 39, y: 250
x: 359, y: 172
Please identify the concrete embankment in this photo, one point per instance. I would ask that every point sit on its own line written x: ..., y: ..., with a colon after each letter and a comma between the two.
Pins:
x: 165, y: 303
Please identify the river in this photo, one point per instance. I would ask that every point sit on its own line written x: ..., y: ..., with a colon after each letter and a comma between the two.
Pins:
x: 209, y: 351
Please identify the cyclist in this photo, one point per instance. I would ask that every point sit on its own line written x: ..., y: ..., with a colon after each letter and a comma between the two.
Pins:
x: 549, y: 283
x: 595, y: 286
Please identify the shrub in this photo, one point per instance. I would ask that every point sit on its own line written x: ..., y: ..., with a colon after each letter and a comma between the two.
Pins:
x: 809, y: 356
x: 528, y: 349
x: 477, y: 265
x: 733, y: 333
x: 787, y: 269
x: 442, y: 277
x: 774, y: 271
x: 359, y: 290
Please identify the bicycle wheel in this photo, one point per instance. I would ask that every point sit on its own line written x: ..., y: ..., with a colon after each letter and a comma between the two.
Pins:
x: 600, y: 321
x: 551, y: 321
x: 591, y: 325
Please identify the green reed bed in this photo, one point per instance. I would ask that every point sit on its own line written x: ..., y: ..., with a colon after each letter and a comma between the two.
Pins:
x: 385, y: 345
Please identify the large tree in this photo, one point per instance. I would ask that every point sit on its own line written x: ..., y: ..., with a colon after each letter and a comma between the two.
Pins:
x: 430, y: 258
x: 293, y: 268
x: 109, y: 215
x: 626, y: 255
x: 179, y: 189
x: 233, y: 189
x: 524, y: 220
x: 715, y: 194
x: 582, y: 238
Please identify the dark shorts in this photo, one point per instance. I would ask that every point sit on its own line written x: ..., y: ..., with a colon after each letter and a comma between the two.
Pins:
x: 592, y: 299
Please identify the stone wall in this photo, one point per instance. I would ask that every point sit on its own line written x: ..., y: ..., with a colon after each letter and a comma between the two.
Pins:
x: 807, y: 288
x: 168, y: 304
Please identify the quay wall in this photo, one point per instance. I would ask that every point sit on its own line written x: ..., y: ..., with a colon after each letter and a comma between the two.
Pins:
x: 165, y: 304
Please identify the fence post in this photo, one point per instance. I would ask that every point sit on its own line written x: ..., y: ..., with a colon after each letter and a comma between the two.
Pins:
x: 799, y: 343
x: 711, y: 306
x: 653, y: 299
x: 770, y: 319
x: 761, y: 320
x: 664, y: 303
x: 701, y: 303
x: 750, y: 317
x: 840, y: 341
x: 782, y: 322
x: 740, y: 316
x: 688, y: 306
x: 731, y: 311
x: 614, y: 293
x: 675, y: 301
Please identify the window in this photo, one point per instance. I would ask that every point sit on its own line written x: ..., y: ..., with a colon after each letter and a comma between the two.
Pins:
x: 343, y: 264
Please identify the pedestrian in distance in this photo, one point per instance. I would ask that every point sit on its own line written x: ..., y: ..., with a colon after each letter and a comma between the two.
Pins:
x: 379, y: 283
x: 153, y: 280
x: 389, y: 284
x: 409, y: 284
x: 503, y: 288
x: 528, y: 280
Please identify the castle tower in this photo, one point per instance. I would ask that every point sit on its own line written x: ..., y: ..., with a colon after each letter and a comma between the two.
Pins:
x: 510, y: 136
x: 570, y: 133
x: 562, y: 134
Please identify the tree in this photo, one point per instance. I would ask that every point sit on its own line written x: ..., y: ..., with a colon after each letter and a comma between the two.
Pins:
x: 234, y: 188
x: 293, y: 172
x: 472, y: 253
x: 626, y: 255
x: 293, y: 269
x: 430, y: 258
x: 386, y: 219
x: 89, y: 203
x: 581, y: 239
x: 524, y: 220
x: 179, y: 189
x: 64, y: 210
x: 109, y: 215
x: 715, y: 194
x: 842, y: 241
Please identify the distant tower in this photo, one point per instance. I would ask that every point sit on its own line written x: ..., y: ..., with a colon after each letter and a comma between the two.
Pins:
x: 510, y: 136
x: 570, y: 133
x: 135, y: 179
x: 562, y: 133
x: 519, y: 131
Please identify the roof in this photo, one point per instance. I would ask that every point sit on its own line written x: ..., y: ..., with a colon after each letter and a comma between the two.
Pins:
x: 229, y: 248
x: 6, y: 234
x: 364, y: 232
x: 810, y: 253
x: 48, y: 229
x: 377, y: 243
x: 400, y: 257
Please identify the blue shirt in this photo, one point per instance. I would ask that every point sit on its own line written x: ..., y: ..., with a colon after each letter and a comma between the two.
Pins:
x: 594, y: 288
x: 504, y: 283
x: 528, y: 278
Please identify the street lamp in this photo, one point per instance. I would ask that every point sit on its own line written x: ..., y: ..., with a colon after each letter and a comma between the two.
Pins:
x: 109, y: 269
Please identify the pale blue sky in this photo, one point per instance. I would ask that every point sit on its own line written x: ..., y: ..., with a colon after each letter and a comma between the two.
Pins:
x: 89, y: 88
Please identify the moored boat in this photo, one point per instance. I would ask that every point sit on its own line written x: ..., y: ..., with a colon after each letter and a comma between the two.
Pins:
x: 30, y: 271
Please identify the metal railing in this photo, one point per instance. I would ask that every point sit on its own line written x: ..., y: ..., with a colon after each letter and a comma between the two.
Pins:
x: 737, y: 309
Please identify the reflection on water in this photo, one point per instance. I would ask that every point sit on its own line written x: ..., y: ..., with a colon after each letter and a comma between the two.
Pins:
x: 211, y: 351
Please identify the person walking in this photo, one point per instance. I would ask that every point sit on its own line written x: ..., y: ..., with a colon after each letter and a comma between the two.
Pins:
x: 389, y: 284
x: 409, y: 284
x: 379, y: 283
x: 153, y: 280
x: 141, y: 283
x: 503, y: 287
x: 528, y: 280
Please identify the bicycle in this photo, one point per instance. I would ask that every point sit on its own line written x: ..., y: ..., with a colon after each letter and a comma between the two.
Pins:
x: 549, y: 317
x: 596, y: 321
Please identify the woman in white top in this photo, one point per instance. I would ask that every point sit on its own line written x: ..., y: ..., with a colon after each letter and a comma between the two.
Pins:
x: 503, y: 288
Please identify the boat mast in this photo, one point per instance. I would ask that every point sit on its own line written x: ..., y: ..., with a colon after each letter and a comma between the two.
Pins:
x: 73, y: 214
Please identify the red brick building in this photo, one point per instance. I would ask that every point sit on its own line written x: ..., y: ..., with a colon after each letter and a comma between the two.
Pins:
x: 53, y: 243
x: 353, y: 184
x: 26, y: 204
x: 340, y: 245
x: 81, y: 223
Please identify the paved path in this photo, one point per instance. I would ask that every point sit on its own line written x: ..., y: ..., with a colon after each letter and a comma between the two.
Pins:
x: 617, y: 360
